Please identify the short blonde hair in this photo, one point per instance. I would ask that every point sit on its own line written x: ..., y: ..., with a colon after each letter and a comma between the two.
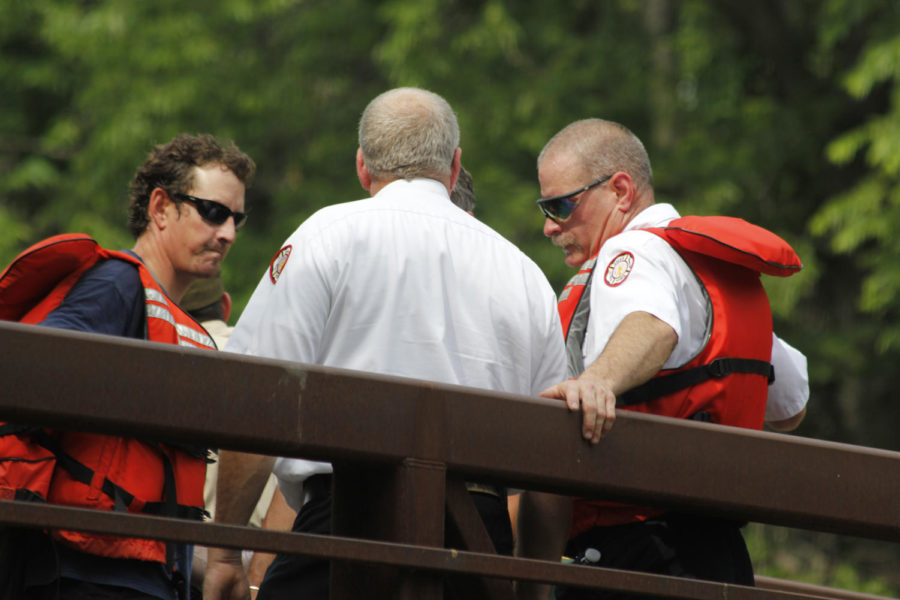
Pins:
x: 603, y: 148
x: 408, y: 132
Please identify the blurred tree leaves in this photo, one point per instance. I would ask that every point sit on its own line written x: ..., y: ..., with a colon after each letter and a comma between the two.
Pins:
x: 783, y: 113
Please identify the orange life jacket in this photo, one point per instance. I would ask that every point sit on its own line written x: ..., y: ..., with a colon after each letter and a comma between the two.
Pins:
x: 95, y: 470
x: 727, y: 382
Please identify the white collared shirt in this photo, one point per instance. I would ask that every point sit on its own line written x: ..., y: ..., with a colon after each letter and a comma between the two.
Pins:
x: 662, y: 284
x: 407, y: 284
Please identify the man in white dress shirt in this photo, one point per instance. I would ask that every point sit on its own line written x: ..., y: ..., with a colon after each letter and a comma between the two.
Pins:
x: 403, y: 283
x: 644, y: 324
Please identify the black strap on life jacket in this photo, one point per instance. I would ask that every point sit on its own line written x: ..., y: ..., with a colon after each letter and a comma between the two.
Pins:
x: 15, y: 429
x: 121, y: 497
x: 664, y: 385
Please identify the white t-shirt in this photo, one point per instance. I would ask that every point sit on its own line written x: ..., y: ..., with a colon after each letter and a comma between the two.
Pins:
x: 662, y: 284
x: 404, y: 283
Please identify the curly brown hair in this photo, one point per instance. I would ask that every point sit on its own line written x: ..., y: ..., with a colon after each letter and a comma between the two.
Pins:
x: 170, y: 166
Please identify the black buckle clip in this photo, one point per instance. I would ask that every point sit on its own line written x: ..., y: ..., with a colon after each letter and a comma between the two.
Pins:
x: 719, y: 368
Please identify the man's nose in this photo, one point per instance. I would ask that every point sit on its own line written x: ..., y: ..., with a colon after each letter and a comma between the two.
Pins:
x: 551, y: 227
x: 226, y: 231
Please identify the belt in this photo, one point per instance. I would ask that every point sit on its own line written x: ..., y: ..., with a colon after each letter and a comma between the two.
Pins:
x: 486, y: 488
x: 318, y: 487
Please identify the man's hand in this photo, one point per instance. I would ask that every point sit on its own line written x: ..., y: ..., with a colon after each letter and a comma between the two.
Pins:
x: 636, y: 351
x: 225, y: 578
x: 595, y: 399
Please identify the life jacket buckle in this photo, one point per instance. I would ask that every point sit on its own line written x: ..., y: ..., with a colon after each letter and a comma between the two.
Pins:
x: 719, y: 368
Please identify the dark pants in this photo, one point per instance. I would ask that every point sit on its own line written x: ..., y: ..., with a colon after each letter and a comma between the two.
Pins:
x: 70, y: 589
x: 301, y: 577
x: 672, y: 544
x: 292, y: 577
x: 27, y: 559
x: 29, y: 570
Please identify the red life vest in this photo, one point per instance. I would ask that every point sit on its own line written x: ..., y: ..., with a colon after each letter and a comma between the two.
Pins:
x: 727, y: 382
x: 95, y: 470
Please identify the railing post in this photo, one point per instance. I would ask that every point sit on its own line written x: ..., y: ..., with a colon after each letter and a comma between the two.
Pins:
x: 403, y: 504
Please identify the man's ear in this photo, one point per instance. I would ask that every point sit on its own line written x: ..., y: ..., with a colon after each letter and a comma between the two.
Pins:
x: 623, y: 185
x: 156, y: 207
x: 455, y: 166
x: 365, y: 178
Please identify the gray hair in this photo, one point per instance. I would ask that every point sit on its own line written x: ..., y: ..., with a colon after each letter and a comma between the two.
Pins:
x: 408, y: 132
x: 602, y: 148
x: 463, y: 194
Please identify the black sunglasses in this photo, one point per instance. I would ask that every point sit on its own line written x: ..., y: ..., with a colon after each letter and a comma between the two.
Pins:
x: 558, y: 208
x: 214, y: 212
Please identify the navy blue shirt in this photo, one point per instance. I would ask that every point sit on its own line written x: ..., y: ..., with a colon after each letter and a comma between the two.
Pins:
x: 109, y: 299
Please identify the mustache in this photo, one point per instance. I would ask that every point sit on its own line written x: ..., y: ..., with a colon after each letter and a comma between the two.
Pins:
x: 561, y: 240
x: 219, y: 248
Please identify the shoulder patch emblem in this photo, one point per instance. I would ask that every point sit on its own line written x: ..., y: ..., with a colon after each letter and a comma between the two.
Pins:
x: 618, y: 269
x: 278, y: 262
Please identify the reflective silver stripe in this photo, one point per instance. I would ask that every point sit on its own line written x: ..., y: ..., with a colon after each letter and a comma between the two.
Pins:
x: 194, y: 335
x: 580, y: 278
x: 185, y: 332
x: 160, y: 312
x: 579, y: 322
x: 155, y: 295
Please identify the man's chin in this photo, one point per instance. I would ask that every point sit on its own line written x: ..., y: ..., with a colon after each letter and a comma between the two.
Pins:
x: 574, y: 258
x: 209, y: 268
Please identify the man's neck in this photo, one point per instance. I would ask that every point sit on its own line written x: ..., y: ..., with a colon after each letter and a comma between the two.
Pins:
x: 379, y: 184
x: 160, y: 267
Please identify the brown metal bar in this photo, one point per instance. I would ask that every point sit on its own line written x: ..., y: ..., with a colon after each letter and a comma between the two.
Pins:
x: 463, y: 518
x: 466, y: 531
x: 772, y: 583
x: 289, y: 409
x: 436, y: 560
x: 402, y: 503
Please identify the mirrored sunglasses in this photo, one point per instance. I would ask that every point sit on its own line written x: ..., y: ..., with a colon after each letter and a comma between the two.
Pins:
x: 558, y: 208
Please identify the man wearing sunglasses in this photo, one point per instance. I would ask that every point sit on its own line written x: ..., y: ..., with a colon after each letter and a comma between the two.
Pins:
x: 187, y: 203
x: 642, y: 334
x: 402, y: 283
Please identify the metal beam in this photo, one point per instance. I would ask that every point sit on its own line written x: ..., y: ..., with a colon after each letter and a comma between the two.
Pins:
x: 437, y: 560
x: 290, y: 409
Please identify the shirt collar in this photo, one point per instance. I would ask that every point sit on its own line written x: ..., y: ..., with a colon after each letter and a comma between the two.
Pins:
x: 421, y: 184
x: 655, y: 215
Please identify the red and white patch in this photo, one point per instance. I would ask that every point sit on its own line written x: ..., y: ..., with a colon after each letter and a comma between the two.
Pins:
x: 618, y: 269
x: 278, y: 263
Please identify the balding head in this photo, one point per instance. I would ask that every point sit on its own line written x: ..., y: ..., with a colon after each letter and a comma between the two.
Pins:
x: 602, y: 148
x: 406, y: 133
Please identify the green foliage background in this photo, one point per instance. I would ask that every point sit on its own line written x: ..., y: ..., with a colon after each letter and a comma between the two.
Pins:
x: 784, y: 113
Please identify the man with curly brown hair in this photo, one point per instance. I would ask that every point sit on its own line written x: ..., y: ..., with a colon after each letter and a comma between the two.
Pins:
x: 187, y: 203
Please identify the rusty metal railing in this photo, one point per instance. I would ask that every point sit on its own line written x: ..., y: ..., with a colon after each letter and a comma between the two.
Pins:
x: 423, y: 439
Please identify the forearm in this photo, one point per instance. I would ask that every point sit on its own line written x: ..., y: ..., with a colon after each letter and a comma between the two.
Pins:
x: 542, y: 532
x: 241, y: 480
x: 279, y: 517
x: 636, y: 351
